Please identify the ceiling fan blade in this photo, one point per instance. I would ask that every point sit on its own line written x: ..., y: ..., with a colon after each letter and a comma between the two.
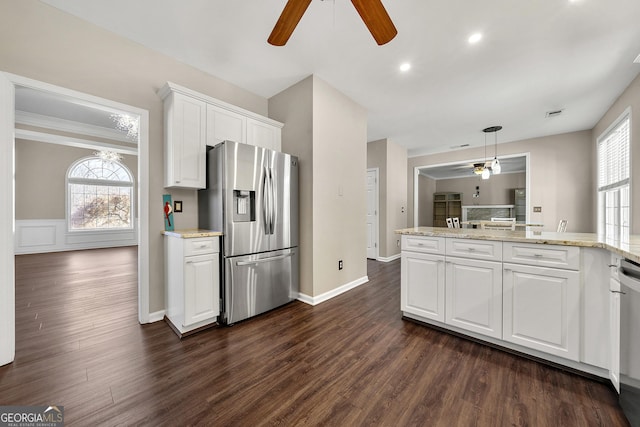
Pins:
x: 289, y: 18
x: 376, y: 19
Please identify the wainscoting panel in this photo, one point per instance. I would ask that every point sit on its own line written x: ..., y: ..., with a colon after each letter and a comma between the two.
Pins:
x: 50, y: 235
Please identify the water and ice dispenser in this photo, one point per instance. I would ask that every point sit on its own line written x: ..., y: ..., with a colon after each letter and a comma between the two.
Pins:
x: 244, y: 206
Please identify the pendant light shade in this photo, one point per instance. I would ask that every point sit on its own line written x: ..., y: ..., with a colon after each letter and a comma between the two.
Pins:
x: 495, y: 166
x: 485, y: 173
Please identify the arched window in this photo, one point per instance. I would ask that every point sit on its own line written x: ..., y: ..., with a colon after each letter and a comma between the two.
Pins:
x: 99, y: 195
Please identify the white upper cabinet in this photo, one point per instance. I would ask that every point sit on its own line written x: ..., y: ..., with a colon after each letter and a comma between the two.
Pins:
x: 194, y: 120
x: 185, y: 149
x: 225, y: 125
x: 263, y: 135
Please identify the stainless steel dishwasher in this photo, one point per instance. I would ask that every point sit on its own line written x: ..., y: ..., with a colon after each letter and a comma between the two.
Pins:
x: 630, y: 340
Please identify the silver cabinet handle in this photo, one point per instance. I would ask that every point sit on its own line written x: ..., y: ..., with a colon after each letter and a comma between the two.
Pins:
x: 537, y: 255
x: 617, y: 292
x: 471, y: 249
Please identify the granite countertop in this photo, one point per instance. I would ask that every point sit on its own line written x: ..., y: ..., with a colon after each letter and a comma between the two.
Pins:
x: 629, y: 250
x: 191, y: 233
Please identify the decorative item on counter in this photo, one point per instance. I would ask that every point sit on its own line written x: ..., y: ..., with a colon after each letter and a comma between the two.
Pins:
x: 168, y: 212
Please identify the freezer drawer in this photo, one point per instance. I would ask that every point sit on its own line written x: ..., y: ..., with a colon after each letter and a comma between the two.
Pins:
x: 258, y: 283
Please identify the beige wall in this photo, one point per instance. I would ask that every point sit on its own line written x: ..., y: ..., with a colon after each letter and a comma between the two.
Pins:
x: 294, y: 106
x: 41, y: 170
x: 629, y: 98
x: 332, y: 188
x: 561, y: 177
x: 426, y: 188
x: 389, y: 158
x: 43, y: 43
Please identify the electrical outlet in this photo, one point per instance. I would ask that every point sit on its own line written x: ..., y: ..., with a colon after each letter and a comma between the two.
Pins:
x: 340, y: 265
x: 537, y: 208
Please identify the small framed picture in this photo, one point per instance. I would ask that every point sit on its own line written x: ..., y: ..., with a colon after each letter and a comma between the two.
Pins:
x: 177, y: 206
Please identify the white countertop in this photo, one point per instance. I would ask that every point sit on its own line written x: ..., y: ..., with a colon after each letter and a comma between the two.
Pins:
x: 191, y: 233
x: 629, y: 250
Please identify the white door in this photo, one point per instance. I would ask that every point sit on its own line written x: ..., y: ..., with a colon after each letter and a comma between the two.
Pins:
x: 542, y: 309
x: 372, y: 213
x: 473, y: 295
x: 422, y: 285
x: 201, y: 300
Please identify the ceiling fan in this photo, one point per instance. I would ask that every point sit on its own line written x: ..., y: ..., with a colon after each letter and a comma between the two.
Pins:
x: 372, y: 12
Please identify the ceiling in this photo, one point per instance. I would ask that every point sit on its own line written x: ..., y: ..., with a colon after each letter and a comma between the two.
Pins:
x: 534, y: 57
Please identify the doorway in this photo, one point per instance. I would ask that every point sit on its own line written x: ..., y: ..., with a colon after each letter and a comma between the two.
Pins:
x: 372, y: 213
x: 9, y: 83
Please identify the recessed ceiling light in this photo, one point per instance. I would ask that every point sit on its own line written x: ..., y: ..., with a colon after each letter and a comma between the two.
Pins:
x: 475, y: 38
x: 405, y: 67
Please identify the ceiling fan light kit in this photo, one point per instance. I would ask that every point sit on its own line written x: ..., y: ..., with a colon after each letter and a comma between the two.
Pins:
x: 372, y: 12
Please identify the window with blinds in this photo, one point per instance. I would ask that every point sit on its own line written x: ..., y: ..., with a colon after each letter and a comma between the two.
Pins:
x: 613, y: 181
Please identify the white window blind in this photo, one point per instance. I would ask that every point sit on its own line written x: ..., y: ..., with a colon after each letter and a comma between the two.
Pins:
x: 613, y: 157
x: 614, y: 204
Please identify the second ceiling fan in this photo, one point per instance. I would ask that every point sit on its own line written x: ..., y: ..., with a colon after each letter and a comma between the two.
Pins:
x: 372, y: 12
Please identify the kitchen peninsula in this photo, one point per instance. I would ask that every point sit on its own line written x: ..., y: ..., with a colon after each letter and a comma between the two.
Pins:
x: 544, y: 295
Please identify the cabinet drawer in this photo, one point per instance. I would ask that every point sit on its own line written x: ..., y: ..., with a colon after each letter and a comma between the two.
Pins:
x: 476, y: 249
x: 425, y: 244
x: 543, y: 255
x: 202, y: 245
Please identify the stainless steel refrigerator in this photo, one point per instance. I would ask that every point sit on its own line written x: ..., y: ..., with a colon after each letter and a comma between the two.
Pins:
x: 252, y: 196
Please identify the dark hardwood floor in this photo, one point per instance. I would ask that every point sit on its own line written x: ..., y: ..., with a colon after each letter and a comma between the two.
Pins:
x: 351, y: 361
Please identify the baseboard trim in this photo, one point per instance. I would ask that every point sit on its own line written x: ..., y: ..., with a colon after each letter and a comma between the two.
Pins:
x: 389, y: 258
x: 332, y: 293
x: 157, y: 316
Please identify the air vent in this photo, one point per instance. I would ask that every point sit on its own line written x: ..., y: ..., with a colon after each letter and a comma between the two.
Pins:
x: 555, y: 113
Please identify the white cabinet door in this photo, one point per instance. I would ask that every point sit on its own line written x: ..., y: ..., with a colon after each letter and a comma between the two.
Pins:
x: 422, y: 285
x: 614, y: 333
x: 474, y: 295
x: 185, y: 150
x: 263, y: 135
x: 595, y: 305
x: 542, y: 309
x: 225, y: 125
x: 201, y: 300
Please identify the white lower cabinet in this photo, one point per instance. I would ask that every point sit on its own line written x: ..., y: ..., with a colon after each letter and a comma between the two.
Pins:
x: 474, y: 295
x: 614, y: 333
x: 542, y: 309
x: 192, y: 282
x: 201, y: 301
x: 422, y: 285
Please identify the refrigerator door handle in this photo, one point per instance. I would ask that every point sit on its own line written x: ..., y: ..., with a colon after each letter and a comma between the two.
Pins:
x: 273, y: 203
x: 263, y: 260
x: 265, y: 202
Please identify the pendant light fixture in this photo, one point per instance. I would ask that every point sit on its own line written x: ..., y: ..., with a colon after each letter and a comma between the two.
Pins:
x: 485, y: 169
x: 495, y: 163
